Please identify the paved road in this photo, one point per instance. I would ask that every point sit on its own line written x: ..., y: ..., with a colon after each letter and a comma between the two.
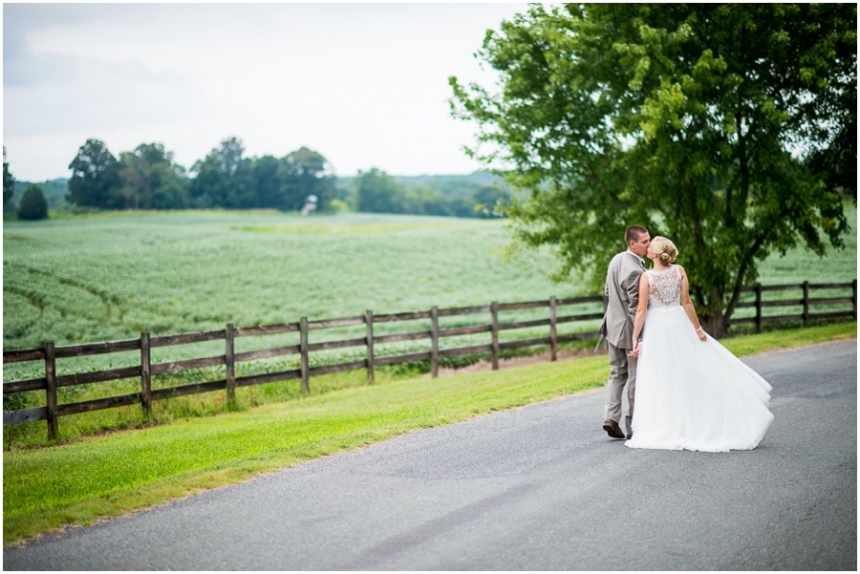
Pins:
x: 536, y: 488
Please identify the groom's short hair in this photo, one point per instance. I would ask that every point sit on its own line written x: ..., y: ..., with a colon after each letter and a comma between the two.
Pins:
x: 634, y: 232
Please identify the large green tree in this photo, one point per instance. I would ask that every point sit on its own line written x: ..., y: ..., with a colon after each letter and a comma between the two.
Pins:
x: 490, y: 200
x: 95, y: 177
x: 303, y: 173
x: 378, y: 192
x: 267, y: 183
x: 150, y: 179
x: 33, y: 205
x: 730, y: 128
x: 224, y: 178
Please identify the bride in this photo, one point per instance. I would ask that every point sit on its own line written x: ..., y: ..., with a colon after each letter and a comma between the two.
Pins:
x: 691, y: 392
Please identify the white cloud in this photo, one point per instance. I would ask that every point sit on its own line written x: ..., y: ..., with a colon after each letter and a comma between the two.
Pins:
x: 364, y: 84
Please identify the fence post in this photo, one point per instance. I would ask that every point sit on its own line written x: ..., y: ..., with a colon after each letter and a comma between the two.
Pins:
x: 230, y: 363
x: 854, y: 298
x: 434, y: 342
x: 553, y: 338
x: 805, y: 287
x: 303, y: 330
x: 494, y: 314
x: 758, y: 307
x: 368, y: 320
x: 51, y: 391
x: 145, y: 374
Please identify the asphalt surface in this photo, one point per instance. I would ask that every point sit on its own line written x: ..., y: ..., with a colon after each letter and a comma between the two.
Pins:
x: 536, y: 488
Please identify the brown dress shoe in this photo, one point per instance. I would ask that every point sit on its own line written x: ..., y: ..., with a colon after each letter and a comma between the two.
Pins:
x: 612, y: 428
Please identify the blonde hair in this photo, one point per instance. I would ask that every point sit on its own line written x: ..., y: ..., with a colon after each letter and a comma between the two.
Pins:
x: 664, y: 249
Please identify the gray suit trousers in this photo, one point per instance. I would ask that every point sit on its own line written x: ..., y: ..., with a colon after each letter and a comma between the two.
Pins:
x: 622, y: 371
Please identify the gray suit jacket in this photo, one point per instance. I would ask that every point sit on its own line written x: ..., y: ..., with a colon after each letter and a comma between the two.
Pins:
x: 622, y: 291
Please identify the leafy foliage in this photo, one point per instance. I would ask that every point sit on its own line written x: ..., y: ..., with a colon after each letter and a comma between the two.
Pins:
x: 150, y: 179
x: 223, y: 178
x: 8, y: 181
x: 54, y: 190
x: 378, y: 192
x: 95, y: 177
x: 727, y: 127
x: 304, y: 173
x: 33, y: 205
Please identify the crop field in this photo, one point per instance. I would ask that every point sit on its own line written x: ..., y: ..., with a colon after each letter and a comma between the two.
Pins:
x: 110, y: 276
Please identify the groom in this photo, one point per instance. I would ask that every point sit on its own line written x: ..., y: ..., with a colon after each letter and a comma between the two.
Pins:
x: 622, y: 292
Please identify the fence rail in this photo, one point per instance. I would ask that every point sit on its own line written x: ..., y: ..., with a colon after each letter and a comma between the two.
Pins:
x: 805, y: 302
x: 51, y: 411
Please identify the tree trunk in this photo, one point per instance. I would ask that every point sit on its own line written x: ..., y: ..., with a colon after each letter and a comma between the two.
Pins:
x: 715, y: 326
x: 711, y: 317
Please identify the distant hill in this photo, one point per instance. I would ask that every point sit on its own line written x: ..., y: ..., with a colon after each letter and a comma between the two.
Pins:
x: 448, y: 185
x: 54, y: 190
x: 469, y: 195
x: 453, y: 185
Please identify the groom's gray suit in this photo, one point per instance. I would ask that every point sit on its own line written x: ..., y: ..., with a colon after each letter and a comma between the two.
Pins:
x: 622, y: 292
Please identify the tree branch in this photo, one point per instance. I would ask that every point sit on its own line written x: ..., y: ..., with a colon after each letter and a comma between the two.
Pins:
x: 745, y: 262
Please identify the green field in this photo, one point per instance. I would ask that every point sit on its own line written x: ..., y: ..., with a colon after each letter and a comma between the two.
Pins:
x: 111, y: 276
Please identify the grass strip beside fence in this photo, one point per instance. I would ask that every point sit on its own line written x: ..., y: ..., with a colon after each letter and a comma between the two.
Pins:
x: 48, y: 488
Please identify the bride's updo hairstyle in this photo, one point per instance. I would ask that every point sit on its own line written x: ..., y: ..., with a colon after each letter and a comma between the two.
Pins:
x: 664, y: 249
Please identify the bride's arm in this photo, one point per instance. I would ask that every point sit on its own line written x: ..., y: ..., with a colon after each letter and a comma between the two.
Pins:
x: 687, y: 304
x: 644, y: 293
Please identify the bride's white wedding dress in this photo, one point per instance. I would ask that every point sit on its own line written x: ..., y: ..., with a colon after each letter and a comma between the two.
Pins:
x: 691, y: 394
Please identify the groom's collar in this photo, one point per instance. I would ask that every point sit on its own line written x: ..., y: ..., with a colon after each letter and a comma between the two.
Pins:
x: 641, y: 261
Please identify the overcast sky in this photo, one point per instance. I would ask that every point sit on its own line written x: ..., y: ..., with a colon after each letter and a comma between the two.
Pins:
x: 366, y: 85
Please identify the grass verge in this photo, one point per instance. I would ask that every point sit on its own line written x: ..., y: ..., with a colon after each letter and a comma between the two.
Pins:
x: 49, y: 488
x: 76, y: 427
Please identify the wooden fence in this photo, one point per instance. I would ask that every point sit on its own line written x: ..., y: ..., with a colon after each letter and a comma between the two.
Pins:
x: 805, y: 301
x: 146, y: 370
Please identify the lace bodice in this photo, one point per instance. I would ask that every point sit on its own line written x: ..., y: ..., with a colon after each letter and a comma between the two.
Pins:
x: 665, y: 287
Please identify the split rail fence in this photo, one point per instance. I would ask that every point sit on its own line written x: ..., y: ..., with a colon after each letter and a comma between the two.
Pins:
x: 51, y: 382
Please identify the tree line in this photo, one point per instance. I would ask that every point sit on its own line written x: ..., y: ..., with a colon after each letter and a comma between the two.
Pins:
x: 375, y: 191
x: 149, y: 178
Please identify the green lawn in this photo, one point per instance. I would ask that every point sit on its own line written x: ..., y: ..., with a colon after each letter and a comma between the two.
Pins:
x: 76, y: 483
